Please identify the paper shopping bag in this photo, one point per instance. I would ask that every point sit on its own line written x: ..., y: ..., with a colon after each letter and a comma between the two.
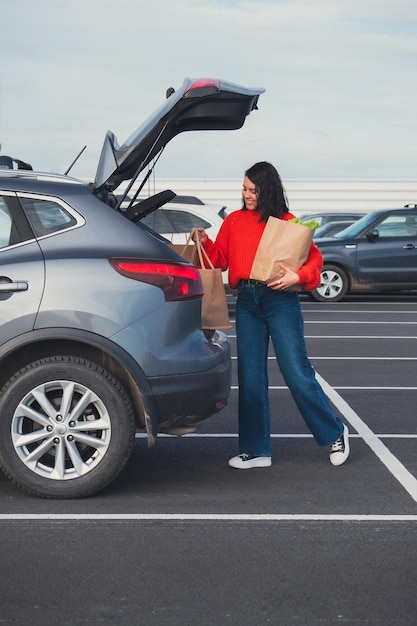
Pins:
x: 282, y: 242
x: 187, y: 250
x: 214, y: 309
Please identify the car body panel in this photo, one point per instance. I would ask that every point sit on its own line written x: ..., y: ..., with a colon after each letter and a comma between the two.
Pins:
x: 401, y: 270
x: 22, y: 269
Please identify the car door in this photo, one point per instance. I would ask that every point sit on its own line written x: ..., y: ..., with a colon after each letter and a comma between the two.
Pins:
x: 387, y: 254
x: 22, y: 272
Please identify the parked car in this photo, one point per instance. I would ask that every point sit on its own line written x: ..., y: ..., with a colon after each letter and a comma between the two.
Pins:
x: 100, y: 321
x: 175, y: 219
x: 376, y: 253
x: 326, y: 217
x: 330, y: 229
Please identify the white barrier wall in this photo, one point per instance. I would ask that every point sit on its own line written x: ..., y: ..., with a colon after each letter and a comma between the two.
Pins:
x: 304, y: 195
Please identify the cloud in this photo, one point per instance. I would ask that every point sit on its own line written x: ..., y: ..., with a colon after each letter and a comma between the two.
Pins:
x: 339, y: 78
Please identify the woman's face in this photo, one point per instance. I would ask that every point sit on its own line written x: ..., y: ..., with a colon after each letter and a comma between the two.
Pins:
x: 249, y: 194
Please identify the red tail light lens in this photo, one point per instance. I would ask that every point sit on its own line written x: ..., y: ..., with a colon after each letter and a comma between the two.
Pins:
x: 178, y: 281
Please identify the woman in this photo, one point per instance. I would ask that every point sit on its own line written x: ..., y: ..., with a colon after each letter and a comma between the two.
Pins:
x: 270, y: 311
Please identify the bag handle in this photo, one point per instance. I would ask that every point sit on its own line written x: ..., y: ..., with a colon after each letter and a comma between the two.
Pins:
x: 188, y: 241
x: 202, y: 254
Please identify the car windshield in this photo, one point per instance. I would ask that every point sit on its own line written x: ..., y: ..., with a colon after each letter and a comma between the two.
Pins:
x: 355, y: 228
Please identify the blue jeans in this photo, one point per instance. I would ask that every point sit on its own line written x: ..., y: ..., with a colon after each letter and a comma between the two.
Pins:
x: 262, y: 313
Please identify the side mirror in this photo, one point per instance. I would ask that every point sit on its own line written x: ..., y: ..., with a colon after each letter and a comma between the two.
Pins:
x: 372, y: 234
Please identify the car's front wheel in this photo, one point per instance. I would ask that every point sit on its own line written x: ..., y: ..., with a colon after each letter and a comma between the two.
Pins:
x: 334, y: 284
x: 66, y: 427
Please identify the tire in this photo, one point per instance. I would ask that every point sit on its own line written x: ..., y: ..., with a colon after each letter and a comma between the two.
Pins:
x: 66, y: 428
x: 334, y: 284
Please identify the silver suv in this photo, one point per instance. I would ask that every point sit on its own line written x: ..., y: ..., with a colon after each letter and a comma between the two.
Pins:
x: 100, y: 331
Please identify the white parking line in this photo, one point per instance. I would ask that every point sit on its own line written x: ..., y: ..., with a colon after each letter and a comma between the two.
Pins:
x: 197, y: 435
x: 348, y: 322
x: 349, y: 337
x: 346, y: 388
x: 216, y: 517
x: 360, y: 358
x: 340, y: 311
x: 397, y: 469
x: 351, y: 358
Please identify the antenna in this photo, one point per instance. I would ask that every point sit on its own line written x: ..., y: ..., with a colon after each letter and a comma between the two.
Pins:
x: 75, y: 160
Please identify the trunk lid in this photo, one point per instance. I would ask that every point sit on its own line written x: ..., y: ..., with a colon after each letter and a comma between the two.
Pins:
x: 199, y: 104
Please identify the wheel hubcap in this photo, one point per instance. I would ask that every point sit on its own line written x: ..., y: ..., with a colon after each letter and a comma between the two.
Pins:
x: 61, y: 430
x: 331, y: 284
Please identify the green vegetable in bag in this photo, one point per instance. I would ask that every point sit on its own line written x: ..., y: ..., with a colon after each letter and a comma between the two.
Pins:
x: 313, y: 224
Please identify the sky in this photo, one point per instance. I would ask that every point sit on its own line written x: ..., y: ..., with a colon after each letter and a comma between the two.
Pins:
x: 340, y: 80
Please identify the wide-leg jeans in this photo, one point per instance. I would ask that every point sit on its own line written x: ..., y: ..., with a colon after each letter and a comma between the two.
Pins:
x: 261, y: 314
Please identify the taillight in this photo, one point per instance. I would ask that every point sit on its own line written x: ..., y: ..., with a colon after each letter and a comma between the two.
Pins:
x: 202, y: 87
x: 178, y: 281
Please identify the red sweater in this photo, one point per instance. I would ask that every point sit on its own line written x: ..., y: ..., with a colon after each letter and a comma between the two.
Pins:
x: 236, y: 244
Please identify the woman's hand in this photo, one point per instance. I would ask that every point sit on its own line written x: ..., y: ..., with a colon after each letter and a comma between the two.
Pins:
x: 287, y: 278
x: 200, y: 233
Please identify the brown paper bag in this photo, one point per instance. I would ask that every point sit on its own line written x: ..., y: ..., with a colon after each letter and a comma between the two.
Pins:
x: 214, y: 309
x: 187, y: 250
x: 282, y: 242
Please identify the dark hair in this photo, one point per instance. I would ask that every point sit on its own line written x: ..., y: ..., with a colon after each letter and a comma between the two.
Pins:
x: 272, y: 199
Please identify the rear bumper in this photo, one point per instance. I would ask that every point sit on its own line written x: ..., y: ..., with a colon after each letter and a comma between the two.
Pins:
x: 189, y: 398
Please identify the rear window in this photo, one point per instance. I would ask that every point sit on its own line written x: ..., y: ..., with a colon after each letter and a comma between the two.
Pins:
x: 173, y: 221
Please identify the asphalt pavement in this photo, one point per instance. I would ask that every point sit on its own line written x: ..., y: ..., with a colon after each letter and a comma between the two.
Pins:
x: 181, y: 538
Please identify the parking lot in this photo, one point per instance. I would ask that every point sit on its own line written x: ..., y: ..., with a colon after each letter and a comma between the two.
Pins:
x: 181, y: 538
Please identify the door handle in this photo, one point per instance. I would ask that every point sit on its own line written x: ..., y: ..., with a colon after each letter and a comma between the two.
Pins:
x: 13, y: 286
x: 409, y: 246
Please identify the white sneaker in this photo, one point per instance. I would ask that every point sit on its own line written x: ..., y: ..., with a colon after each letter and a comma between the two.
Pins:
x: 247, y: 461
x: 339, y: 450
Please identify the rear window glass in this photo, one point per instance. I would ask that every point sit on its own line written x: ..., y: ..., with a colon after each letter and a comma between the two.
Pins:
x: 165, y: 221
x: 46, y: 216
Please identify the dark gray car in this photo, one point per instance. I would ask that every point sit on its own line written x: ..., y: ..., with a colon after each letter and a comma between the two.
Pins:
x: 376, y: 253
x: 100, y: 322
